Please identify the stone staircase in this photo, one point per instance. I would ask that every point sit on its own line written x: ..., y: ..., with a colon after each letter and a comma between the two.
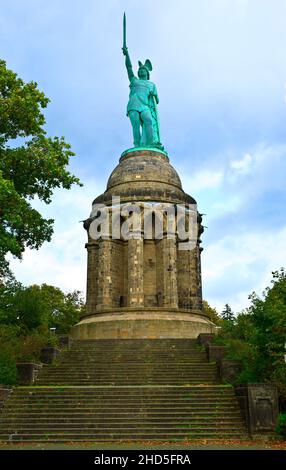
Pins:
x: 125, y: 390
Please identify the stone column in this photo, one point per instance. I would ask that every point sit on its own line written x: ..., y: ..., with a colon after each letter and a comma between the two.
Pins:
x: 135, y: 289
x: 200, y: 293
x: 195, y: 284
x: 104, y: 298
x: 169, y: 272
x: 189, y: 279
x: 92, y: 277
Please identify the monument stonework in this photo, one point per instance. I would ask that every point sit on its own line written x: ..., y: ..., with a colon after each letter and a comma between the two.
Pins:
x: 138, y: 286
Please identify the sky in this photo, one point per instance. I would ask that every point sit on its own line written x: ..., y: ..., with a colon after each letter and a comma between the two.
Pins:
x: 220, y: 70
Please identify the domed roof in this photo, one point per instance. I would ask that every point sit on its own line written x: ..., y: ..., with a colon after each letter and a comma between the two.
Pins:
x: 145, y: 166
x: 145, y: 175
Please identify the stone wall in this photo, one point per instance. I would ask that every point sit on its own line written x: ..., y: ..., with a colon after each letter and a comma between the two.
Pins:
x: 143, y: 273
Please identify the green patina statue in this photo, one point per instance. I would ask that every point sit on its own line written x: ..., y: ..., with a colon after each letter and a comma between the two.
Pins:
x: 142, y: 104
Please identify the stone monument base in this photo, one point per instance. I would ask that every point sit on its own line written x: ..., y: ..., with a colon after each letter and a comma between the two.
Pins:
x: 142, y: 324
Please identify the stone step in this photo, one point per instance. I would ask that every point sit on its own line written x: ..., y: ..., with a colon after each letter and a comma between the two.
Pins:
x: 123, y: 377
x: 155, y: 390
x: 117, y: 383
x: 98, y: 430
x: 163, y: 409
x: 124, y: 429
x: 123, y: 409
x: 130, y: 434
x: 136, y: 352
x: 114, y: 390
x: 127, y: 388
x: 143, y: 390
x: 186, y: 402
x: 134, y: 373
x: 137, y: 421
x: 117, y: 344
x: 96, y: 379
x: 142, y: 372
x: 188, y: 352
x: 139, y: 370
x: 166, y: 364
x: 129, y: 405
x: 138, y: 346
x: 113, y: 399
x: 120, y: 399
x: 110, y: 439
x: 124, y: 366
x: 109, y: 414
x: 109, y: 398
x: 138, y: 356
x: 136, y: 343
x: 128, y: 376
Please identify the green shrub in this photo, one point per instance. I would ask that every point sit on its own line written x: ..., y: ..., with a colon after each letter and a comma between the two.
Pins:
x: 31, y: 345
x: 8, y: 369
x: 281, y: 428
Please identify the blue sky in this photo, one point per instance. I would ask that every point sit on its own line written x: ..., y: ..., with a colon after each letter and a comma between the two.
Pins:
x: 220, y: 71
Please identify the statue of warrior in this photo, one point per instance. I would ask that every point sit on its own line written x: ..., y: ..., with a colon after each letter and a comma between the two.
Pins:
x: 142, y: 104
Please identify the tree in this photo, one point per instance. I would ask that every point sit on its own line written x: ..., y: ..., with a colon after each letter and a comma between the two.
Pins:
x: 269, y: 329
x: 227, y: 313
x: 211, y: 313
x: 257, y: 336
x: 33, y: 307
x: 31, y: 165
x: 63, y: 309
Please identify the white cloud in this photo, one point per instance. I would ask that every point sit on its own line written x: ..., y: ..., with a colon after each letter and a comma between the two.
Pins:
x: 62, y: 262
x: 243, y: 165
x: 234, y: 266
x: 205, y: 179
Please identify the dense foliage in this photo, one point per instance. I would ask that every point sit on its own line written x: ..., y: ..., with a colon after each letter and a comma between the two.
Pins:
x: 281, y: 428
x: 26, y: 316
x: 257, y: 336
x: 31, y: 165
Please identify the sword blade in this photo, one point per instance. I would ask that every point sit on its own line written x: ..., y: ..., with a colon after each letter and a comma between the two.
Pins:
x: 124, y: 30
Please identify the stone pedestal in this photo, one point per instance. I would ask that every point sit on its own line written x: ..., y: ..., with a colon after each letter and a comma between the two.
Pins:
x: 144, y: 323
x: 215, y: 353
x: 230, y: 370
x: 259, y: 405
x: 49, y: 354
x: 4, y: 394
x: 205, y: 338
x: 27, y: 372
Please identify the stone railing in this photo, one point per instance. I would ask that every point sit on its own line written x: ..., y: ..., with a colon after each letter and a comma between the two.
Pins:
x: 259, y: 405
x: 4, y: 394
x: 258, y: 401
x: 28, y: 371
